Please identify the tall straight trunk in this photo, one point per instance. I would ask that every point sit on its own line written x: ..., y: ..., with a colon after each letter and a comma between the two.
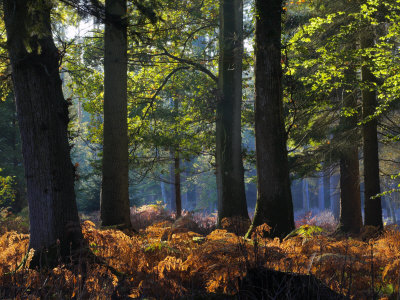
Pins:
x: 321, y: 193
x: 230, y: 171
x: 19, y: 202
x: 172, y: 204
x: 114, y: 192
x: 177, y: 184
x: 327, y: 189
x: 43, y: 120
x: 350, y: 219
x: 335, y: 197
x: 274, y: 198
x: 306, y: 198
x: 163, y: 193
x: 372, y: 206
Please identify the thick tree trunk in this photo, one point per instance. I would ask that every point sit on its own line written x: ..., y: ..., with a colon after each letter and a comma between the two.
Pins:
x: 350, y: 203
x: 350, y: 219
x: 115, y: 184
x: 372, y: 206
x: 274, y: 199
x: 43, y: 120
x: 177, y: 183
x: 230, y: 172
x: 19, y: 202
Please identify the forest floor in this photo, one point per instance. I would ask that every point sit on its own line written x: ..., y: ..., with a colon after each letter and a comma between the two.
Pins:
x: 197, y: 259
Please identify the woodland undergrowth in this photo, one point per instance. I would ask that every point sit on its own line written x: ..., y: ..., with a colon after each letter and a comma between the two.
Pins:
x: 204, y: 262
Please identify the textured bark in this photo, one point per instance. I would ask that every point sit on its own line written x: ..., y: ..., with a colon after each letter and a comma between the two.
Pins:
x: 114, y: 192
x: 274, y: 199
x: 230, y: 172
x: 350, y: 219
x: 43, y: 119
x: 372, y: 206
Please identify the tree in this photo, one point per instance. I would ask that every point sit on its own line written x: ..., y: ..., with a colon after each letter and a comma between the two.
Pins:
x: 43, y: 120
x: 115, y: 183
x: 372, y: 206
x: 350, y: 219
x: 230, y: 173
x: 274, y: 199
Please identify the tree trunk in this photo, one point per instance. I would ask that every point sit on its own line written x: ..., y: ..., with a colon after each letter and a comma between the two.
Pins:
x: 350, y: 203
x: 43, y: 120
x: 115, y: 189
x: 306, y: 194
x: 327, y: 189
x: 274, y: 198
x: 172, y: 204
x: 350, y: 219
x: 177, y: 183
x: 321, y: 193
x: 335, y: 197
x: 19, y: 201
x: 372, y: 206
x: 230, y: 172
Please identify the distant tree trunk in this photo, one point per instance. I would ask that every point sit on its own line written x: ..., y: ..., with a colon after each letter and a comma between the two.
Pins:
x: 350, y: 203
x: 177, y: 183
x: 372, y: 207
x: 306, y: 195
x: 43, y: 120
x: 321, y: 193
x: 327, y: 189
x: 115, y: 187
x: 335, y: 197
x: 274, y: 198
x: 230, y: 172
x: 163, y: 193
x: 172, y: 204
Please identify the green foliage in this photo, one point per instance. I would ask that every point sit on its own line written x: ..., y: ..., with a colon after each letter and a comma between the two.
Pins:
x: 7, y: 191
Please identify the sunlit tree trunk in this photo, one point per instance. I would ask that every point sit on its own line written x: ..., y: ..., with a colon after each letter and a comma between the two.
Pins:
x: 43, y: 120
x: 230, y: 172
x: 274, y: 199
x: 372, y: 206
x: 115, y: 182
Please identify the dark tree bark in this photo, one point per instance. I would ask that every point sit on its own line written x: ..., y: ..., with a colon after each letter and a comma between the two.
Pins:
x: 350, y: 219
x: 274, y: 199
x: 372, y: 206
x: 43, y: 119
x: 114, y: 193
x: 230, y: 172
